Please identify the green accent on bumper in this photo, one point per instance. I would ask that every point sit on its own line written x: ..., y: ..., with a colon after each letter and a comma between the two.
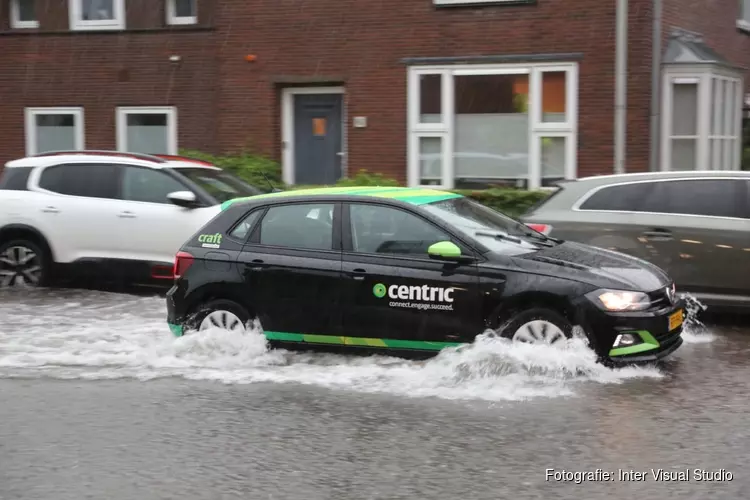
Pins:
x: 649, y: 344
x: 415, y: 196
x: 176, y: 330
x: 359, y: 341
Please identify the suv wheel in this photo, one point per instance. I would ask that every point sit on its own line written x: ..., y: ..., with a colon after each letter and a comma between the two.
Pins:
x: 537, y: 325
x: 221, y: 313
x: 23, y: 263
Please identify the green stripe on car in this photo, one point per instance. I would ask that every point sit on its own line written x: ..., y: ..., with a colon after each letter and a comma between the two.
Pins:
x: 415, y: 196
x: 359, y: 341
x: 649, y: 344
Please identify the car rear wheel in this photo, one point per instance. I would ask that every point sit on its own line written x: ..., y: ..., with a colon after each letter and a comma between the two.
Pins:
x: 537, y: 325
x: 221, y: 313
x: 23, y: 263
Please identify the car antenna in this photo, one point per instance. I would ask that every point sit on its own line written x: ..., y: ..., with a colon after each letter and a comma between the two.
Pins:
x: 273, y: 189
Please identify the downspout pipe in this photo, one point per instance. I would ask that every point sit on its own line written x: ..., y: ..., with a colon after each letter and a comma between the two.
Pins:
x: 621, y: 68
x: 655, y: 88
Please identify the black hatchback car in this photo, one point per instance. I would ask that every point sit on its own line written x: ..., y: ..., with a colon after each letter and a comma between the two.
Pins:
x: 409, y: 270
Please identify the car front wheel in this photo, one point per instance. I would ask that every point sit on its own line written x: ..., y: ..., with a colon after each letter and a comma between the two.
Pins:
x: 537, y: 325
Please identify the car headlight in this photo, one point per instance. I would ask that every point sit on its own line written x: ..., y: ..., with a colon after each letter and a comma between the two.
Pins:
x: 619, y: 300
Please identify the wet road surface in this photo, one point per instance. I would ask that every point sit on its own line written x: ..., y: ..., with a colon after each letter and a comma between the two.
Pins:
x: 99, y: 401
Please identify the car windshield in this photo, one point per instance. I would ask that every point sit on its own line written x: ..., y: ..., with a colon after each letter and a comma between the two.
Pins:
x: 498, y: 232
x: 219, y: 183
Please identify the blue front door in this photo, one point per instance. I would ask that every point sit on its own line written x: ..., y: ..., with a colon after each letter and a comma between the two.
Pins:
x: 317, y: 138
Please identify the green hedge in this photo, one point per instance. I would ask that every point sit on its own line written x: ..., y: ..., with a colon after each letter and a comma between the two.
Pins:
x: 256, y: 169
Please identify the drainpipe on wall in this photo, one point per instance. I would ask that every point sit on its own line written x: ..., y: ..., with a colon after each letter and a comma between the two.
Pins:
x: 655, y: 88
x: 621, y: 68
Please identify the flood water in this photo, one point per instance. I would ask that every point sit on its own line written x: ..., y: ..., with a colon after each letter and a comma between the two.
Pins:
x: 98, y: 400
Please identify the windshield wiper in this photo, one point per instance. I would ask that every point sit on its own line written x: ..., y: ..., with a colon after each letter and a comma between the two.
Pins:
x: 514, y: 239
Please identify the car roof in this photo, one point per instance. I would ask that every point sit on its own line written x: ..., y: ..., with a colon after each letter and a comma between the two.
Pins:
x: 120, y: 157
x: 602, y: 180
x: 414, y: 196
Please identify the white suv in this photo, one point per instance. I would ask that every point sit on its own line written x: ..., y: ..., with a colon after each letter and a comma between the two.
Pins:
x: 118, y: 214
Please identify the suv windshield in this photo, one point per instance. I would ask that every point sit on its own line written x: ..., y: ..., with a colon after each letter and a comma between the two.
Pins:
x: 495, y: 230
x: 219, y: 183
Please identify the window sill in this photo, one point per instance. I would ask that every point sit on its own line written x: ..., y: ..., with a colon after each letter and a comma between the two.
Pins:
x: 743, y: 25
x: 24, y: 25
x: 480, y: 3
x: 160, y: 29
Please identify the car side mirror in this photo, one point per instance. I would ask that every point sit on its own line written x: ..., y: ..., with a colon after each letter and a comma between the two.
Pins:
x: 447, y: 250
x: 185, y: 199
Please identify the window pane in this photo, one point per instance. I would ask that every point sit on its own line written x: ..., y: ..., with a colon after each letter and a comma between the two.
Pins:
x: 55, y: 132
x: 709, y: 197
x: 491, y: 128
x: 430, y: 102
x: 714, y: 154
x: 148, y: 185
x: 684, y: 109
x: 185, y: 8
x: 90, y: 180
x: 308, y: 226
x: 553, y: 96
x: 745, y: 10
x: 730, y: 108
x: 430, y: 160
x: 242, y: 230
x: 147, y: 133
x: 97, y: 10
x: 14, y: 179
x: 683, y: 154
x: 727, y: 154
x: 386, y: 230
x: 553, y: 159
x: 26, y: 10
x: 220, y: 184
x: 717, y: 105
x: 626, y: 198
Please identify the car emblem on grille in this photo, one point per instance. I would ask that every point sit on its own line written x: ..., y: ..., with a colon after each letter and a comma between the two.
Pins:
x: 670, y: 294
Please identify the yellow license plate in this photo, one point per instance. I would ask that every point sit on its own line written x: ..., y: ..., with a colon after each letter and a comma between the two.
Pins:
x: 675, y: 320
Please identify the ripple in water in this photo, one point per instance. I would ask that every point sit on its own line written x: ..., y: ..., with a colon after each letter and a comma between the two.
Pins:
x: 109, y: 336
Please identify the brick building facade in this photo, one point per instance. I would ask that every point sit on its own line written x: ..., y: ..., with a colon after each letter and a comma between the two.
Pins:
x: 444, y: 92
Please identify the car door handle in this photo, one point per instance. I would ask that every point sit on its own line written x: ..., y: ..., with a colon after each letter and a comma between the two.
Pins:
x: 358, y: 274
x: 50, y: 210
x: 658, y: 234
x: 126, y: 215
x: 259, y: 265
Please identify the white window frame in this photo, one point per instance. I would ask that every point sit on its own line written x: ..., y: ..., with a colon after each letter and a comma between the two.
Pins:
x: 15, y: 17
x: 446, y: 129
x: 704, y: 77
x: 174, y: 19
x: 30, y: 115
x: 743, y: 21
x: 122, y: 124
x: 75, y: 10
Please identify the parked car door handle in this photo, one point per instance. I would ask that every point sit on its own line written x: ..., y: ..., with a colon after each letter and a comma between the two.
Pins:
x: 126, y: 215
x: 51, y: 210
x: 358, y: 274
x: 658, y: 234
x: 259, y: 265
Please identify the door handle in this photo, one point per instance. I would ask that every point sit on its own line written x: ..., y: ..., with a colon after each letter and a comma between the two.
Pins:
x: 50, y: 210
x: 358, y: 274
x: 658, y: 234
x: 126, y: 215
x: 259, y: 265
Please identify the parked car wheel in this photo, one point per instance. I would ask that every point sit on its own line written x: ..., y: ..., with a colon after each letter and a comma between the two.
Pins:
x: 23, y: 263
x: 537, y: 325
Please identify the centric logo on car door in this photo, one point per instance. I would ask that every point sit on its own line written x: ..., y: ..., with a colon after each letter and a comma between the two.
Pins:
x: 416, y: 296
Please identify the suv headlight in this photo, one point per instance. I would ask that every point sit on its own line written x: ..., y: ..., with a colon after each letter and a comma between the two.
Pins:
x: 619, y: 300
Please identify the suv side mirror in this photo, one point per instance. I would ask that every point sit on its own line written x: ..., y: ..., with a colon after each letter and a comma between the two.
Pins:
x: 447, y: 250
x: 185, y: 199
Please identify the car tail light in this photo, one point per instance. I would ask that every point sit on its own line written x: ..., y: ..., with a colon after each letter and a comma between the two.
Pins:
x: 541, y: 228
x: 182, y: 262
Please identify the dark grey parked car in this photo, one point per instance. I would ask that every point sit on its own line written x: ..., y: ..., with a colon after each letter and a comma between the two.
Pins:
x: 694, y: 224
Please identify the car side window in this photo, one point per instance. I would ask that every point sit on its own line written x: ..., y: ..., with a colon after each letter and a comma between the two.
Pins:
x: 148, y: 185
x: 14, y: 179
x: 298, y: 225
x: 623, y: 198
x: 386, y: 230
x: 707, y: 197
x: 88, y: 180
x: 242, y: 229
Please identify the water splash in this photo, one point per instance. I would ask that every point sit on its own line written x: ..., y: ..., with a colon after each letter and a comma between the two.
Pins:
x: 694, y: 330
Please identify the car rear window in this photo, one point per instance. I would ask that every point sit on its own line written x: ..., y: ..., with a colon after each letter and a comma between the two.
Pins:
x: 15, y: 178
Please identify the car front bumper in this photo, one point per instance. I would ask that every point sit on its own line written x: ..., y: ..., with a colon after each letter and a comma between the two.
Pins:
x: 658, y: 336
